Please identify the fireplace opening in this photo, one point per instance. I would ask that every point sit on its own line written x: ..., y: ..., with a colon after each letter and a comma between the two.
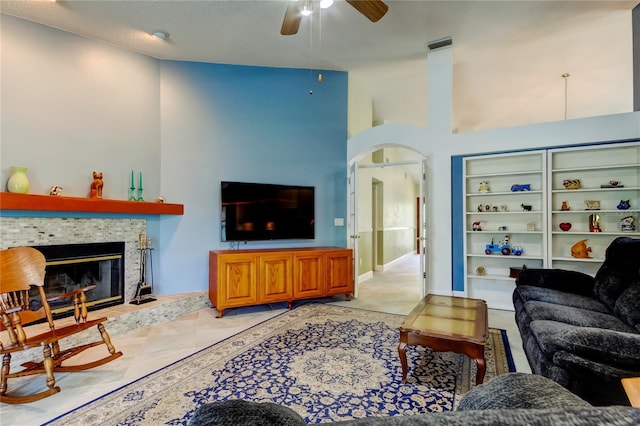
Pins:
x: 73, y: 266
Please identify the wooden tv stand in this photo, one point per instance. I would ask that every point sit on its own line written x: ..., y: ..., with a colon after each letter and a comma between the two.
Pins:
x: 254, y: 277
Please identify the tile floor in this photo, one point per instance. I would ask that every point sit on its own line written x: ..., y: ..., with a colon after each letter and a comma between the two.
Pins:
x: 395, y: 290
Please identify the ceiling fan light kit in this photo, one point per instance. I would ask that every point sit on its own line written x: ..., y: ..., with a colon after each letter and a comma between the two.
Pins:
x: 373, y: 10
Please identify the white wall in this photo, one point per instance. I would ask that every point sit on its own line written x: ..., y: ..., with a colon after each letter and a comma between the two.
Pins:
x: 108, y: 119
x: 438, y: 144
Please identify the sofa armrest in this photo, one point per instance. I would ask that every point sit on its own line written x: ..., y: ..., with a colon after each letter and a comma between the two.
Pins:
x: 557, y: 279
x: 245, y: 413
x: 519, y: 390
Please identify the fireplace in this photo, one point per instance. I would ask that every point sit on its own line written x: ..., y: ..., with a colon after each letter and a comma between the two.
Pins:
x: 73, y: 266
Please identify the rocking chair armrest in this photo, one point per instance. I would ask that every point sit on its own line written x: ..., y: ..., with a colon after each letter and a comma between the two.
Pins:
x: 70, y: 293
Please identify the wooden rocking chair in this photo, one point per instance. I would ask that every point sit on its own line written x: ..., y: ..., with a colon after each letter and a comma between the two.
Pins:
x: 20, y: 268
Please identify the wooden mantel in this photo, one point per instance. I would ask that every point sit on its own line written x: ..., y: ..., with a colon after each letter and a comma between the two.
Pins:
x: 13, y: 201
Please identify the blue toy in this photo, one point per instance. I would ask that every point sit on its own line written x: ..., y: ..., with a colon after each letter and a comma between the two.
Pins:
x: 519, y: 187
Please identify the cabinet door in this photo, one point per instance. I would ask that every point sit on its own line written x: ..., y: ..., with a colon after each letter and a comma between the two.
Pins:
x: 308, y: 275
x: 275, y: 275
x: 237, y: 280
x: 339, y: 278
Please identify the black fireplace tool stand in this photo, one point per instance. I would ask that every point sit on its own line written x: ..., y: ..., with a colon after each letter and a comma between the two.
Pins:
x: 144, y: 289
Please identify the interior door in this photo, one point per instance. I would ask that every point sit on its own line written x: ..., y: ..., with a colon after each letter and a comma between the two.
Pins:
x: 352, y: 206
x: 422, y: 234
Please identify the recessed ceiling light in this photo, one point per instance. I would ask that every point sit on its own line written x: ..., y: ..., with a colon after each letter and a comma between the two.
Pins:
x: 326, y: 3
x: 162, y: 35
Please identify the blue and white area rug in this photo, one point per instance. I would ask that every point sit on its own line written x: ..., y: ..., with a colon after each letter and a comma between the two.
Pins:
x: 326, y: 362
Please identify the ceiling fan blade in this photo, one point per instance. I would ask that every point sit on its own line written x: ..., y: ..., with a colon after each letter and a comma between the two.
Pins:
x: 373, y: 10
x: 291, y: 21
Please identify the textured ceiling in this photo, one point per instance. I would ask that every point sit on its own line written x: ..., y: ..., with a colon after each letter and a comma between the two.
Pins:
x: 508, y: 55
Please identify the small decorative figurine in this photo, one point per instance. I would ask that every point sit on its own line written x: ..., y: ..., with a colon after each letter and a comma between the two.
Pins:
x: 480, y: 270
x: 580, y: 250
x: 565, y: 226
x: 55, y: 190
x: 504, y: 208
x: 572, y: 184
x: 526, y: 207
x: 565, y: 207
x: 476, y: 226
x: 594, y: 223
x: 627, y: 224
x: 96, y: 186
x: 160, y: 200
x: 531, y: 226
x: 521, y: 187
x: 502, y: 228
x: 624, y: 205
x: 592, y: 204
x: 612, y: 184
x: 484, y: 187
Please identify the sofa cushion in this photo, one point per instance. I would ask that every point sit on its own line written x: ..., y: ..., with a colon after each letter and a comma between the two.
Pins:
x: 556, y: 297
x: 616, y: 349
x: 575, y: 316
x: 627, y: 306
x: 620, y: 269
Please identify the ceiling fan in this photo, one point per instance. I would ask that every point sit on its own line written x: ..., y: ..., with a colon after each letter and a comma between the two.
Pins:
x: 371, y: 9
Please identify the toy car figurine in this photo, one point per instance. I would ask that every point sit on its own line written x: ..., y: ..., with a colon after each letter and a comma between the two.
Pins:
x: 503, y: 247
x: 521, y: 187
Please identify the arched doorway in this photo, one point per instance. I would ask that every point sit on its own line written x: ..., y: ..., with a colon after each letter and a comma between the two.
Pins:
x: 388, y: 209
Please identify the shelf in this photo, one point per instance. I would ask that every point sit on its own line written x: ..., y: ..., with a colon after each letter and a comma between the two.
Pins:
x: 592, y: 168
x: 491, y: 277
x: 620, y: 188
x: 618, y: 233
x: 12, y: 201
x: 507, y: 231
x: 609, y: 211
x: 510, y: 212
x: 503, y: 257
x: 574, y: 259
x: 486, y: 194
x: 508, y: 174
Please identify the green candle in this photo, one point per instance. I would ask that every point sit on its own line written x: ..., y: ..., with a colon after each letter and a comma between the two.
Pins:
x: 132, y: 179
x: 140, y: 180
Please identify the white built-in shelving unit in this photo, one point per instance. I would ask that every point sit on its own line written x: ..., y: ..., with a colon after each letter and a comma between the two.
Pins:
x: 537, y: 229
x: 498, y: 213
x: 594, y: 167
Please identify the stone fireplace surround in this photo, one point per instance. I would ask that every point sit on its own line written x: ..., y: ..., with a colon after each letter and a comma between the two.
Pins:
x: 43, y: 231
x: 40, y: 231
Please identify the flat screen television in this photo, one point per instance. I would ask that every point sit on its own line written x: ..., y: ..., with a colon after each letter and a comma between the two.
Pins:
x: 262, y: 211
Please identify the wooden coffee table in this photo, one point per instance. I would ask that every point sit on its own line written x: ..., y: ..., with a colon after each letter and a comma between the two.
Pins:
x: 447, y: 323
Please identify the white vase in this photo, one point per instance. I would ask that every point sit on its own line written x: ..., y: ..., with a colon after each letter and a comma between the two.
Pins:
x: 18, y: 181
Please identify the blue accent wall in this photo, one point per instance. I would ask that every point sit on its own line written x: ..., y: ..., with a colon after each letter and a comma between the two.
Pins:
x: 249, y: 124
x: 457, y: 225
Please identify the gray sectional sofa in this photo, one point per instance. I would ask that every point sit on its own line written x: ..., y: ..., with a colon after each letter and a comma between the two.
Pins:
x: 508, y: 399
x: 583, y: 332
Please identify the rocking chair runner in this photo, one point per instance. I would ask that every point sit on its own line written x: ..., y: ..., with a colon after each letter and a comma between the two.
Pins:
x: 20, y: 268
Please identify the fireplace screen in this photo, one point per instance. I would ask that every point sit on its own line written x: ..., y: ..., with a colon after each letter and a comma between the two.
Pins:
x: 74, y: 266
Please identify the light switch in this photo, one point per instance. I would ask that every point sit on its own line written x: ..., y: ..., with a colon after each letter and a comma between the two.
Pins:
x: 338, y: 221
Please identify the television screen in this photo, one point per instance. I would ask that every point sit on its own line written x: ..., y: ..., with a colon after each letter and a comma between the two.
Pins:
x: 260, y: 211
